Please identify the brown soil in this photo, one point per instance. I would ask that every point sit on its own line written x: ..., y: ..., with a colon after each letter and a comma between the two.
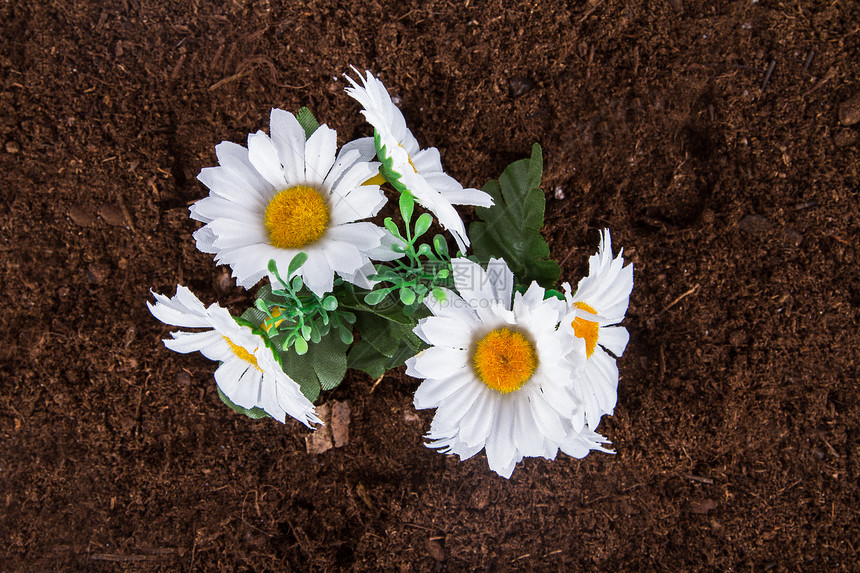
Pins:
x: 733, y: 191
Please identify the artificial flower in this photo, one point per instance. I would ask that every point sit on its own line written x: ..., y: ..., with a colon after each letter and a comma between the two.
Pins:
x: 249, y: 374
x: 496, y: 372
x: 408, y: 167
x: 286, y: 194
x: 600, y: 301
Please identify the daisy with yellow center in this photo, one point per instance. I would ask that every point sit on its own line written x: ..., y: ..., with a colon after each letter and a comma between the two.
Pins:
x: 496, y: 371
x: 249, y: 375
x: 287, y: 193
x: 600, y: 302
x: 410, y: 168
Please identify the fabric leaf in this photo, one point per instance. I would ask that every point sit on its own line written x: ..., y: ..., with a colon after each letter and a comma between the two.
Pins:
x: 510, y: 229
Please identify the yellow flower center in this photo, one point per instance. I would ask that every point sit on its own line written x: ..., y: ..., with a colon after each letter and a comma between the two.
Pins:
x: 504, y: 360
x: 586, y: 329
x: 296, y: 217
x: 242, y: 353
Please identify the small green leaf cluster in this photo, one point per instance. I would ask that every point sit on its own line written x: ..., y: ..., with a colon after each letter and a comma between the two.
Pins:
x: 424, y: 269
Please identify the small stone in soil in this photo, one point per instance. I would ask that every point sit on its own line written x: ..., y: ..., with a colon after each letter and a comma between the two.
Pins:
x: 97, y: 274
x: 81, y: 216
x: 12, y: 147
x: 754, y: 224
x: 849, y: 111
x: 519, y: 86
x: 183, y: 379
x: 112, y: 215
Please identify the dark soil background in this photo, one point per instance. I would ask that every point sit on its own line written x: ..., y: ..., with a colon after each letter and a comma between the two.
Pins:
x: 717, y: 140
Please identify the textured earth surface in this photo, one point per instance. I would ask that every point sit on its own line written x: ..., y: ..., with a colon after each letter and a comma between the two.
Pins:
x: 717, y: 140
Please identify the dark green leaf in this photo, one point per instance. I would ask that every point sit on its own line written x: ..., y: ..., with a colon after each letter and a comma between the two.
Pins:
x: 387, y: 336
x: 510, y: 229
x: 307, y: 120
x: 329, y: 361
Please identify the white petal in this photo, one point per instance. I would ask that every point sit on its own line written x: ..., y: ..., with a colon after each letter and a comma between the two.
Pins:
x: 452, y: 410
x: 185, y: 342
x: 477, y: 424
x: 613, y: 338
x: 433, y: 391
x: 264, y: 156
x: 501, y: 451
x: 288, y: 138
x: 439, y: 362
x: 448, y: 332
x: 319, y: 154
x: 343, y: 257
x: 228, y: 375
x: 360, y: 203
x: 317, y: 274
x: 364, y: 145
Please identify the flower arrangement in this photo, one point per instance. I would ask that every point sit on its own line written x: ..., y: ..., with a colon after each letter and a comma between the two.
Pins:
x: 513, y: 364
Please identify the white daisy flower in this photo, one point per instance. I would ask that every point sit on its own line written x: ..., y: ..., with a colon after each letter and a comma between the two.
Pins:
x: 496, y: 372
x: 600, y: 302
x: 285, y: 194
x: 410, y: 168
x: 248, y: 375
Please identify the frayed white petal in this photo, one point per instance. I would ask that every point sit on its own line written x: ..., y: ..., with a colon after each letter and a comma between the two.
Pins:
x: 613, y: 338
x: 264, y: 157
x: 320, y: 152
x: 288, y: 138
x: 433, y: 391
x: 438, y: 362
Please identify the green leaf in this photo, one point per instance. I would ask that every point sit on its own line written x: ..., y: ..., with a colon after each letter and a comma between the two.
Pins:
x: 329, y: 303
x: 407, y: 204
x: 346, y: 335
x: 254, y: 315
x: 363, y: 356
x: 422, y: 224
x: 407, y: 296
x: 322, y: 367
x: 298, y: 283
x: 387, y: 336
x: 510, y: 229
x: 375, y: 297
x: 307, y: 120
x: 441, y: 246
x: 329, y: 360
x: 392, y: 228
x: 253, y: 413
x: 424, y: 250
x: 439, y: 294
x: 297, y: 262
x: 300, y: 345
